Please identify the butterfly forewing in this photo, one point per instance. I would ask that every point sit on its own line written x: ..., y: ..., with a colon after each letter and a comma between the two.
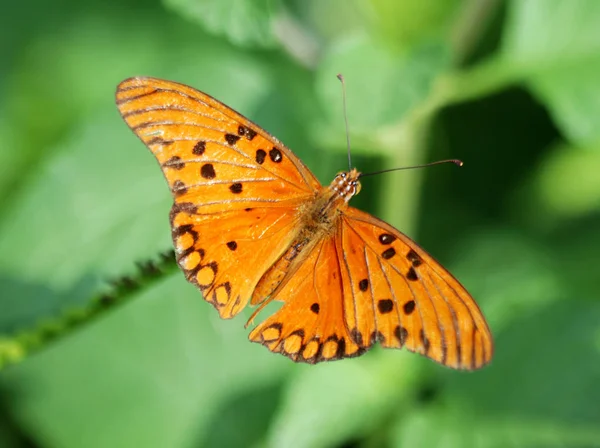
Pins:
x: 236, y: 188
x: 401, y: 296
x: 209, y: 153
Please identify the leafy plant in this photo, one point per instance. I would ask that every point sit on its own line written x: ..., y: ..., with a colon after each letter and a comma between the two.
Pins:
x: 510, y: 87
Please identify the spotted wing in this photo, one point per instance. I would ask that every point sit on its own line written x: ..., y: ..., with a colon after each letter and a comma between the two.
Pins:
x: 397, y: 294
x: 236, y: 188
x: 310, y: 325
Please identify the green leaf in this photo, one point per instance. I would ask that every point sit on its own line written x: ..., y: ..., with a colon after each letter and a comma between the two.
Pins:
x: 383, y: 84
x: 508, y: 273
x: 243, y: 22
x: 409, y: 22
x: 50, y: 89
x: 156, y: 373
x: 97, y: 202
x: 565, y: 186
x: 539, y: 390
x: 89, y: 212
x: 94, y: 204
x: 9, y: 159
x: 328, y: 404
x: 457, y: 428
x: 388, y: 112
x: 555, y: 46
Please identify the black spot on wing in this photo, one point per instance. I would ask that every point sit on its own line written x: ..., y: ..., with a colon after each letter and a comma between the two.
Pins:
x: 179, y: 188
x: 356, y: 336
x: 412, y: 274
x: 199, y: 148
x: 424, y: 340
x: 377, y: 336
x: 386, y: 238
x: 243, y: 131
x: 231, y: 139
x: 409, y: 307
x: 388, y: 253
x: 414, y: 258
x: 363, y: 285
x: 207, y: 171
x: 275, y: 155
x: 236, y: 188
x: 260, y: 156
x: 175, y: 162
x: 401, y: 334
x: 385, y: 306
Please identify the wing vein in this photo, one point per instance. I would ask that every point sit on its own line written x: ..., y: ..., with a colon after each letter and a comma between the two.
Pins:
x: 459, y: 297
x: 222, y: 162
x: 437, y: 317
x: 454, y: 319
x: 230, y: 201
x: 392, y: 292
x: 221, y: 182
x: 349, y: 276
x: 341, y: 280
x: 375, y: 318
x: 136, y: 97
x: 162, y: 90
x: 415, y: 298
x: 145, y: 110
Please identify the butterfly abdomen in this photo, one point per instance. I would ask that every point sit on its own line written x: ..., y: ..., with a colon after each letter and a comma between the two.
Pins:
x: 317, y: 220
x: 275, y: 275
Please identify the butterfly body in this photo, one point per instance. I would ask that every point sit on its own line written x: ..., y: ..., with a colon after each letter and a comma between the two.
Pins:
x: 317, y: 220
x: 251, y: 224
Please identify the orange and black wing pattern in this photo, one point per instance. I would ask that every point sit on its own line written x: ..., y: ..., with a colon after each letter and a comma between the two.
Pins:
x: 398, y: 295
x: 236, y: 188
x: 310, y: 325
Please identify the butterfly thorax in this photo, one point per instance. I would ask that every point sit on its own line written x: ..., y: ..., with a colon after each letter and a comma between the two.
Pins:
x: 318, y: 218
x: 346, y: 184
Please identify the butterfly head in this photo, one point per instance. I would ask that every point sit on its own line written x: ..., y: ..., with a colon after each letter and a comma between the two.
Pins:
x: 346, y: 184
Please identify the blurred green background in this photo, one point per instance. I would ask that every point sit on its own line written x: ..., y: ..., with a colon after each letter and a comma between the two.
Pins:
x: 510, y: 87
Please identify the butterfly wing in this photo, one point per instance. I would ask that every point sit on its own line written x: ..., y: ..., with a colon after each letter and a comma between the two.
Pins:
x: 397, y: 294
x: 310, y: 325
x: 236, y: 188
x: 369, y: 283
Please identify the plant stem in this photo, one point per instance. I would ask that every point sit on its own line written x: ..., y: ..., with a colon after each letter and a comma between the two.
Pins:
x: 16, y: 348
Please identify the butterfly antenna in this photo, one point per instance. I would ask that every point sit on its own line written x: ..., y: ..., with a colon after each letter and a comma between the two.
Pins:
x: 341, y: 78
x: 439, y: 162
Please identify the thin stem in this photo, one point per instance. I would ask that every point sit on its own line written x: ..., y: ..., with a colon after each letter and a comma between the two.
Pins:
x: 15, y: 348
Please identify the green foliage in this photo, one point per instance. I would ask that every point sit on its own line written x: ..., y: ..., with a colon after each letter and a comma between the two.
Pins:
x: 555, y: 47
x: 245, y: 23
x: 510, y: 87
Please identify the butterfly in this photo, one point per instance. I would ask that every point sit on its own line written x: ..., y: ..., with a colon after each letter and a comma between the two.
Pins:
x: 251, y: 224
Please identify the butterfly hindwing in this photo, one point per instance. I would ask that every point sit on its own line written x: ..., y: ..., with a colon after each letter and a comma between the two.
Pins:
x: 400, y: 296
x: 310, y: 325
x: 227, y: 257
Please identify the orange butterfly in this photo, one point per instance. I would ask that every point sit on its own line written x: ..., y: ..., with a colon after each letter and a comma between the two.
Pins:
x: 251, y: 223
